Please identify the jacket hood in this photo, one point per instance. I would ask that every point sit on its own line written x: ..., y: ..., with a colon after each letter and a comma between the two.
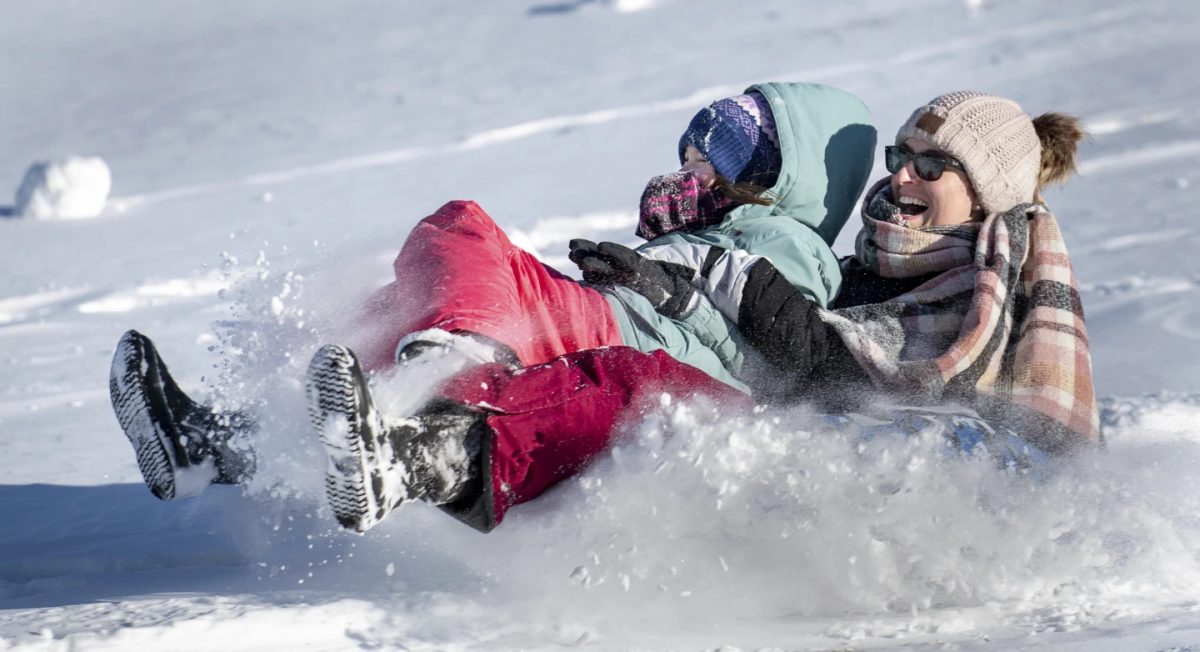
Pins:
x: 827, y: 144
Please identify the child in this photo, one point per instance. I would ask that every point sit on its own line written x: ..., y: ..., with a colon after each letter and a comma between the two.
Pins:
x: 772, y: 173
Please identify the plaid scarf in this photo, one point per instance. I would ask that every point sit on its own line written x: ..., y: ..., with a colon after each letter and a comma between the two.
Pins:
x: 1001, y: 328
x: 676, y: 201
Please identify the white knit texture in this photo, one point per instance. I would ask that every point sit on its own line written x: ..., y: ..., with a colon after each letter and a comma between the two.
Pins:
x: 992, y: 137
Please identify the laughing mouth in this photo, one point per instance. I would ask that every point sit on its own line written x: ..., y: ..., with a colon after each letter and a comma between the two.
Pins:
x: 912, y: 206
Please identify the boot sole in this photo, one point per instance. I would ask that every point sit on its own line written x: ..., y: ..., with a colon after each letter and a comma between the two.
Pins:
x: 136, y: 389
x: 339, y: 418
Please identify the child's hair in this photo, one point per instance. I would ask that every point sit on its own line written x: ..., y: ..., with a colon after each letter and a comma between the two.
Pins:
x: 1060, y: 135
x: 744, y: 192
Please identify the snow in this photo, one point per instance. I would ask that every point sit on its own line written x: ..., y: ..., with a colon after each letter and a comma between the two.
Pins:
x: 73, y: 187
x: 271, y: 157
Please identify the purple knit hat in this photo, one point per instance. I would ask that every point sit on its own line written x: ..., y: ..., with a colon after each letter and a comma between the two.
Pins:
x: 737, y: 135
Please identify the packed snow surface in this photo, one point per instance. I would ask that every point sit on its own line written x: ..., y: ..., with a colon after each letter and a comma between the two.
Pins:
x: 271, y: 159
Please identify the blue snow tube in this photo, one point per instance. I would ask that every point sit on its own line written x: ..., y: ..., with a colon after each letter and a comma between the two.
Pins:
x: 965, y: 433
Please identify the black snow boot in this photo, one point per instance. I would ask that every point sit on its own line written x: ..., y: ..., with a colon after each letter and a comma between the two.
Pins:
x: 375, y: 465
x: 182, y: 446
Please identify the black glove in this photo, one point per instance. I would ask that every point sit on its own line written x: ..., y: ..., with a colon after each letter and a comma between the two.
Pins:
x: 781, y: 323
x: 668, y: 286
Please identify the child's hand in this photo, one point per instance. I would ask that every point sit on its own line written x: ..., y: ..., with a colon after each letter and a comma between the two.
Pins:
x: 667, y: 286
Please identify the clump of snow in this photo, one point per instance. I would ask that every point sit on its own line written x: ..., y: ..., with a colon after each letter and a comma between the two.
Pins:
x: 191, y: 480
x: 73, y: 187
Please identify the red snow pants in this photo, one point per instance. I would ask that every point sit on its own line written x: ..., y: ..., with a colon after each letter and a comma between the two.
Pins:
x: 459, y: 271
x: 550, y: 420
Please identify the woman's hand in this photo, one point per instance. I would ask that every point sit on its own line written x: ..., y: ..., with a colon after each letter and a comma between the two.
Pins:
x: 668, y: 286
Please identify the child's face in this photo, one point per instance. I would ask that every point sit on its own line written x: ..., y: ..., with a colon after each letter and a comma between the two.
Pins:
x: 697, y: 164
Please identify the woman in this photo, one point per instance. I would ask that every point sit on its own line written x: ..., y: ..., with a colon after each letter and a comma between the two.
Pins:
x: 772, y: 172
x: 960, y: 289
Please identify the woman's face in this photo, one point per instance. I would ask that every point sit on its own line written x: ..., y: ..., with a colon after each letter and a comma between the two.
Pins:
x: 697, y: 164
x: 948, y: 200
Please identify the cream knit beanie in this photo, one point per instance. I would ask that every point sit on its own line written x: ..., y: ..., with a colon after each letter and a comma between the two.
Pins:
x: 993, y: 139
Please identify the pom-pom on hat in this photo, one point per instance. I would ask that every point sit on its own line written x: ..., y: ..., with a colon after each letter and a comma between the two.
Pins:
x: 737, y: 135
x: 991, y: 136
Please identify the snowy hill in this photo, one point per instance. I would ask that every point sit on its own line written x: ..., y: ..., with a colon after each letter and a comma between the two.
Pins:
x: 267, y: 160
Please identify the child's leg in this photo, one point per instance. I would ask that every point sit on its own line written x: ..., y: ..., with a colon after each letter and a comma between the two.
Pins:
x: 458, y: 271
x: 494, y: 437
x: 181, y: 446
x: 548, y: 421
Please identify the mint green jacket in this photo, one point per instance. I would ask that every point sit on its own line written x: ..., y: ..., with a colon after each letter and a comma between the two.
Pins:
x: 827, y: 145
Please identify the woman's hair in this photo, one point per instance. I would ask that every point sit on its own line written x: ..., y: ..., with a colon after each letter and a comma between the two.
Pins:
x: 744, y: 192
x: 1060, y: 135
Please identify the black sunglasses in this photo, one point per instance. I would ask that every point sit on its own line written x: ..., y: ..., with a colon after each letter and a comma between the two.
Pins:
x: 929, y: 167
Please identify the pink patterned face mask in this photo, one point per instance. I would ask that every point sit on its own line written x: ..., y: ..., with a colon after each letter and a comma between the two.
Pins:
x: 677, y: 201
